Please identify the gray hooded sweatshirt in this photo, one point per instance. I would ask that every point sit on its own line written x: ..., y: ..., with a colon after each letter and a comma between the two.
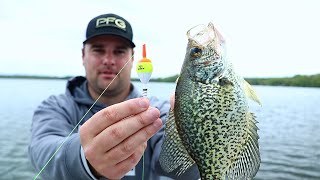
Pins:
x: 56, y: 117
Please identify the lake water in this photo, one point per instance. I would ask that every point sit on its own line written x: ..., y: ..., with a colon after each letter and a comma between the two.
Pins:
x: 289, y: 122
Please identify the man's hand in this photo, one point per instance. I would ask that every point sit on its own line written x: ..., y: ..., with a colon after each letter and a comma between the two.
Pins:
x: 114, y: 139
x: 172, y: 101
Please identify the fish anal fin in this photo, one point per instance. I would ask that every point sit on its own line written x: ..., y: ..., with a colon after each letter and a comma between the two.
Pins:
x: 250, y: 93
x: 248, y: 162
x: 173, y: 155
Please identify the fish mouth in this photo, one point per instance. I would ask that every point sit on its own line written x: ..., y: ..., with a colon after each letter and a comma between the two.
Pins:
x: 202, y: 34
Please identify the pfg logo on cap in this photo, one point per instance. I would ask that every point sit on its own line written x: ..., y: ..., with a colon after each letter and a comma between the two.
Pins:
x: 111, y: 21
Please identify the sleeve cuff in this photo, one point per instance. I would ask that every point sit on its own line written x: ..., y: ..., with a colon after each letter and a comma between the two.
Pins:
x: 85, y: 164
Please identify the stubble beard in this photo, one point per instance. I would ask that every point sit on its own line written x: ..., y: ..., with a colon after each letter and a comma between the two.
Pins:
x: 114, y: 88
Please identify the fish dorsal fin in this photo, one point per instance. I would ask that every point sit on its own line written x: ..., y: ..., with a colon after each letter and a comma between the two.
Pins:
x: 250, y: 93
x: 248, y: 162
x: 173, y: 155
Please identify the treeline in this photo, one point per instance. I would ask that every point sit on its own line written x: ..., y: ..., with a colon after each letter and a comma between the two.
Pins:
x: 167, y: 79
x: 33, y: 77
x: 298, y: 80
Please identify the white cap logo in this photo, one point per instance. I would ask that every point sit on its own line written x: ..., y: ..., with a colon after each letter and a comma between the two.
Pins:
x: 111, y: 21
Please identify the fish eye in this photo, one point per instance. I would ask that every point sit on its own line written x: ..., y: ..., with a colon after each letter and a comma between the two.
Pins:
x: 195, y: 52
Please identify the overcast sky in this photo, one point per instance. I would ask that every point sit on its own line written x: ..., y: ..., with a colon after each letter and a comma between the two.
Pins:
x: 270, y: 38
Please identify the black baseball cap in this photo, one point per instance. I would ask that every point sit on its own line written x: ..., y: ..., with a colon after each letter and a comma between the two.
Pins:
x: 110, y: 24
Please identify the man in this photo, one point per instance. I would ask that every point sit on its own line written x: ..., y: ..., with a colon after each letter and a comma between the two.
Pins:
x: 116, y: 131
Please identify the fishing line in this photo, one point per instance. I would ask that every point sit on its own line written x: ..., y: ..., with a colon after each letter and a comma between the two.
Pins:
x: 81, y: 120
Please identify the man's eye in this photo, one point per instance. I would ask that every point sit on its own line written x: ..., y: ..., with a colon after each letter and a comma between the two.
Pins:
x: 119, y: 52
x: 195, y: 52
x: 98, y: 50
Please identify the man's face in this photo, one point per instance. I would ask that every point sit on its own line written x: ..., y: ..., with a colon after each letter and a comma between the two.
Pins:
x: 103, y: 57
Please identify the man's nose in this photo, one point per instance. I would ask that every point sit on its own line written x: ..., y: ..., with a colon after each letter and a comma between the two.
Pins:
x: 109, y: 59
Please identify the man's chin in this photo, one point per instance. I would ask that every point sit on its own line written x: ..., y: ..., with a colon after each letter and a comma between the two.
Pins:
x: 107, y: 83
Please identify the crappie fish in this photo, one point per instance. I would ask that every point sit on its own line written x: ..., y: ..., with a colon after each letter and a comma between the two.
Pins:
x: 211, y: 124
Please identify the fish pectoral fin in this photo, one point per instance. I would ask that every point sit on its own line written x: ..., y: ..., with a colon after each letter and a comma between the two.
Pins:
x: 177, y: 79
x: 173, y: 155
x: 248, y: 162
x: 250, y: 93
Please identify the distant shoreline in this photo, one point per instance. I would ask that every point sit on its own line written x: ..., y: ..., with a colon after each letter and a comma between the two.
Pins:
x: 32, y: 77
x: 297, y: 80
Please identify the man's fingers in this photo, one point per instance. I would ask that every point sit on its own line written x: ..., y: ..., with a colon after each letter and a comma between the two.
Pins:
x: 172, y: 101
x: 114, y: 113
x: 120, y: 131
x: 116, y: 171
x: 133, y: 160
x: 123, y: 150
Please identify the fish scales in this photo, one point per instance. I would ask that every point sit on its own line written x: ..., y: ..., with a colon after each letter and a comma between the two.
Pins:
x: 211, y: 122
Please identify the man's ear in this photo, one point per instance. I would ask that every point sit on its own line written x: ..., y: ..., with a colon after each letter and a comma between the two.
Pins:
x: 82, y: 51
x: 132, y: 55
